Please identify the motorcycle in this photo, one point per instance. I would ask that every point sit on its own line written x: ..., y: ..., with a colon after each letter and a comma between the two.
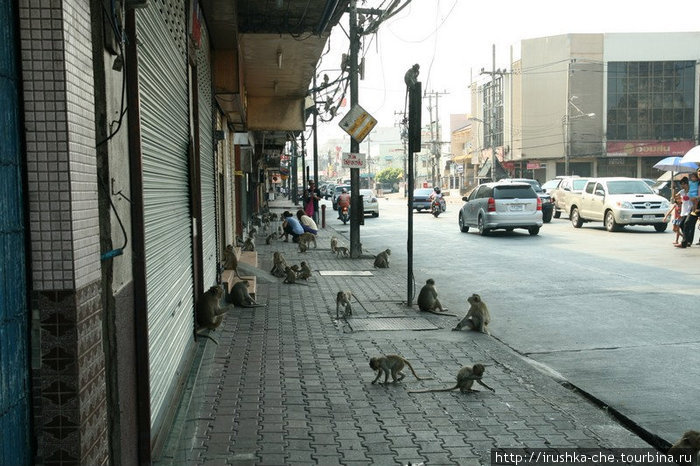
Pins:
x: 344, y: 214
x: 437, y: 206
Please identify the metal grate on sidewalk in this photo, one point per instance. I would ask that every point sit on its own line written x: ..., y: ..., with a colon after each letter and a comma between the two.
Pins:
x: 391, y: 323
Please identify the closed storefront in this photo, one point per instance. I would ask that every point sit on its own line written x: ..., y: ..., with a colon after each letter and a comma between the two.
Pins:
x: 164, y: 110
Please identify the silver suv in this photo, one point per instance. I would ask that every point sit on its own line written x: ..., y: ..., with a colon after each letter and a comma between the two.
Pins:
x: 501, y: 206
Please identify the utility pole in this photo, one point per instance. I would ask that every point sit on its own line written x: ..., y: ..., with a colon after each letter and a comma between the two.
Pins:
x: 355, y: 248
x: 436, y: 143
x: 492, y: 120
x: 403, y: 124
x: 315, y: 123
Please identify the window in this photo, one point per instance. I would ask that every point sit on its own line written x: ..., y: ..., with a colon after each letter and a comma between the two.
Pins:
x: 493, y: 109
x: 651, y: 100
x: 514, y: 192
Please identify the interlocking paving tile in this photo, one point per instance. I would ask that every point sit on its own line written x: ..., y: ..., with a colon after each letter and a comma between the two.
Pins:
x: 392, y: 323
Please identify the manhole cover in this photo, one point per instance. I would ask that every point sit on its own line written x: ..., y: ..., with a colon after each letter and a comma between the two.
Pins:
x: 392, y: 323
x: 353, y: 273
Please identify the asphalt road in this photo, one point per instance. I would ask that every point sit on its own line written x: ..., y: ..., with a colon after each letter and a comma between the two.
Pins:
x: 614, y: 314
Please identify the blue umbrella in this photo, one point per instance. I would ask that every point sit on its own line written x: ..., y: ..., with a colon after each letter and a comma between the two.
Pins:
x: 675, y: 164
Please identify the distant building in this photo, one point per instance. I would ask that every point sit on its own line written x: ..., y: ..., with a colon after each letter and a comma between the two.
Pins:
x: 593, y: 104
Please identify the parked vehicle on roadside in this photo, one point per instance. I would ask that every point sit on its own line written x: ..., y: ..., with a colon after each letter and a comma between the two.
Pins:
x: 370, y: 205
x: 617, y: 202
x: 501, y: 205
x: 330, y: 189
x: 547, y: 205
x: 561, y: 196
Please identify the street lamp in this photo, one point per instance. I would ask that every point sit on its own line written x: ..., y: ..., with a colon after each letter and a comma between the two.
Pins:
x: 566, y: 122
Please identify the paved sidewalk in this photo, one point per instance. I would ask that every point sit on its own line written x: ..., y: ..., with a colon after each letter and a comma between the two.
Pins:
x: 290, y: 385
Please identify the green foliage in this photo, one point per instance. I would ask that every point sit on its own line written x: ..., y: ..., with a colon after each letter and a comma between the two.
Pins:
x: 389, y: 175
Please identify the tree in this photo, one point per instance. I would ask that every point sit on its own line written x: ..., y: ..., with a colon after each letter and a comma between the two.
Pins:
x: 389, y: 175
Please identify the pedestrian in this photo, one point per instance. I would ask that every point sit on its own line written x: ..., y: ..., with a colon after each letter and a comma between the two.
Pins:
x: 307, y: 223
x: 676, y: 211
x: 686, y: 209
x: 291, y: 226
x: 311, y: 197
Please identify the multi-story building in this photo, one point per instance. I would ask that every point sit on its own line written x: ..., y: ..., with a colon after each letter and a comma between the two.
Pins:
x: 594, y: 104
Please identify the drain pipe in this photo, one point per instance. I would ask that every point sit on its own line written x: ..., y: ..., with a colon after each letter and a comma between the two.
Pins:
x: 138, y: 247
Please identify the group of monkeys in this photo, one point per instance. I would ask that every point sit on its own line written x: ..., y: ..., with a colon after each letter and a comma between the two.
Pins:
x: 292, y: 273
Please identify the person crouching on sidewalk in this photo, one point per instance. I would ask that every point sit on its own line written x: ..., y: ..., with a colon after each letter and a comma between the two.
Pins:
x: 291, y: 226
x: 307, y: 223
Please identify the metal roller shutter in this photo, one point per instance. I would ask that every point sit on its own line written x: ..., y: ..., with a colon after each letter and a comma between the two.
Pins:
x: 168, y: 227
x: 206, y: 164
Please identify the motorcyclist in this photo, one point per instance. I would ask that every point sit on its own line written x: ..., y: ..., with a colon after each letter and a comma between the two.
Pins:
x: 436, y: 197
x: 343, y: 201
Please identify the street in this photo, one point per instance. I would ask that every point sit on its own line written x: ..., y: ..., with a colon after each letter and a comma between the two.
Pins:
x: 611, y: 313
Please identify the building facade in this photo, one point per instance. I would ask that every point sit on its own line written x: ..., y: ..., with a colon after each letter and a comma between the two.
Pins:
x: 597, y: 104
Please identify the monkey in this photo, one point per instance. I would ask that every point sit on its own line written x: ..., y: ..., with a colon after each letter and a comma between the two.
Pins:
x: 240, y: 297
x: 266, y: 226
x: 255, y: 220
x: 342, y: 299
x: 253, y: 231
x: 342, y: 250
x: 308, y: 238
x: 393, y: 364
x: 427, y: 298
x: 249, y: 244
x: 465, y: 379
x: 382, y: 259
x: 334, y: 243
x: 686, y: 448
x: 239, y: 240
x: 273, y: 217
x: 280, y: 231
x: 270, y: 237
x: 305, y: 272
x: 231, y: 260
x: 303, y: 245
x: 295, y: 268
x: 291, y: 277
x: 411, y: 76
x: 477, y: 317
x: 209, y: 312
x: 278, y: 264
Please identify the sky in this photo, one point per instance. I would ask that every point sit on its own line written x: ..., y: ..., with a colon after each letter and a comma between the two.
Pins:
x: 452, y: 41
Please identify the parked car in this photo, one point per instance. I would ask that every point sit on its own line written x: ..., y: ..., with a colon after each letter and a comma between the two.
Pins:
x: 336, y: 192
x: 501, y: 205
x: 619, y: 201
x: 547, y: 205
x: 330, y: 189
x: 370, y: 204
x: 561, y: 196
x: 421, y: 198
x: 322, y: 189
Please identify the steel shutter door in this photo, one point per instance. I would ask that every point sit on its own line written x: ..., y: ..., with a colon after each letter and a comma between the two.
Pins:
x: 166, y: 194
x: 206, y: 157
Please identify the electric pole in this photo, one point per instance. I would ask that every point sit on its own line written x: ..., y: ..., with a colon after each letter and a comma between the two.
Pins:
x: 436, y: 143
x: 315, y: 123
x: 355, y: 248
x: 492, y: 120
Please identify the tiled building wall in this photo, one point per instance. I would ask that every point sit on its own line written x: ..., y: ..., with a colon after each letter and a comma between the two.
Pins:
x: 69, y: 384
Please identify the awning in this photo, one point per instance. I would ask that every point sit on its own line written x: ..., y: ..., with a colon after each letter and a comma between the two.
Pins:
x: 462, y: 158
x: 485, y: 170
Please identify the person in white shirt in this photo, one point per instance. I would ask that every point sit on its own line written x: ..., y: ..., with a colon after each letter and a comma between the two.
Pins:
x: 307, y: 223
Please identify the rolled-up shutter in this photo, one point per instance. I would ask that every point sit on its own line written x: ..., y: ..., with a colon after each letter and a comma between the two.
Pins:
x: 206, y: 164
x: 162, y: 69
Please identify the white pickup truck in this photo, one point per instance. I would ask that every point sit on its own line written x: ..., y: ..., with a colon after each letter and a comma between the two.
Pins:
x: 618, y: 202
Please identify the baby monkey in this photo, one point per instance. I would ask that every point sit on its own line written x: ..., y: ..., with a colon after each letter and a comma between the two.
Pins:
x: 686, y: 448
x: 342, y: 300
x: 342, y: 250
x: 393, y: 364
x: 465, y: 379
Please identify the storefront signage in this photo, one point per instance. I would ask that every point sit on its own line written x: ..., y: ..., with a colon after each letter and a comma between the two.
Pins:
x: 648, y: 148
